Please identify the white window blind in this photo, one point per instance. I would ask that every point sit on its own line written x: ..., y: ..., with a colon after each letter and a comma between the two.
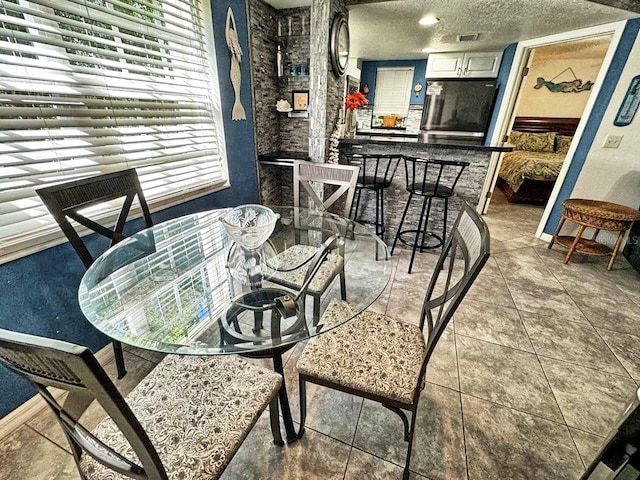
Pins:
x: 95, y: 86
x: 393, y: 91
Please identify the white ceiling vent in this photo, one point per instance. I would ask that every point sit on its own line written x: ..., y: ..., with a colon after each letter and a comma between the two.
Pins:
x: 468, y: 38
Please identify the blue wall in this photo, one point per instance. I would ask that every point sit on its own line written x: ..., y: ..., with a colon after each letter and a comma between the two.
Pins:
x: 369, y: 70
x: 501, y: 81
x: 39, y: 292
x: 595, y: 119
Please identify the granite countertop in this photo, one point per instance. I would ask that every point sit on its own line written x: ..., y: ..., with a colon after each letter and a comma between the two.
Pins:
x: 445, y: 143
x: 283, y: 156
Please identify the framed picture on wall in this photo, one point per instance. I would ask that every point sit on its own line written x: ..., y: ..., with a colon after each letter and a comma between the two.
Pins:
x: 630, y: 104
x: 300, y: 100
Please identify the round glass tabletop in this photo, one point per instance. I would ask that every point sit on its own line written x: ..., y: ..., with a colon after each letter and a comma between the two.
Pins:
x: 184, y: 287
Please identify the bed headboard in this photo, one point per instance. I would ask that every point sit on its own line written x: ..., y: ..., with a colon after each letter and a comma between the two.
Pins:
x: 562, y: 126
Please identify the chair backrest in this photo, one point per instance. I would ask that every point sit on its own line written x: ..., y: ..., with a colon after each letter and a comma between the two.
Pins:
x: 53, y: 363
x: 65, y: 200
x: 463, y: 256
x: 431, y: 175
x: 376, y: 170
x: 344, y: 177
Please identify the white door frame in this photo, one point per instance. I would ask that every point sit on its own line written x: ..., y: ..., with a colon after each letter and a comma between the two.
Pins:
x: 496, y: 158
x: 512, y: 89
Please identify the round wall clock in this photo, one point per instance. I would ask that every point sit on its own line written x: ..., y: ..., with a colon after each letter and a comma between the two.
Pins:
x: 339, y: 44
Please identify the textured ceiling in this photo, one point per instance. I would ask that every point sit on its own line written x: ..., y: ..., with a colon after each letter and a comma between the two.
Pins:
x: 390, y: 30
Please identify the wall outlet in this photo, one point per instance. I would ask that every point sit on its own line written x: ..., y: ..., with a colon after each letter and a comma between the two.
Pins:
x: 612, y: 141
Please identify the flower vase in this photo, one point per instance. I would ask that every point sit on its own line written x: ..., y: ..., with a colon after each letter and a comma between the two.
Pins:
x: 349, y: 132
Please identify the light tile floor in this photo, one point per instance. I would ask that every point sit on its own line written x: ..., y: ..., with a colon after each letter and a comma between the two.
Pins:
x: 540, y: 359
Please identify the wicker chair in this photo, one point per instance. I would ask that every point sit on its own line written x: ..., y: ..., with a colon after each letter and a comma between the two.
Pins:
x: 349, y: 357
x: 185, y: 420
x: 343, y: 178
x: 65, y: 201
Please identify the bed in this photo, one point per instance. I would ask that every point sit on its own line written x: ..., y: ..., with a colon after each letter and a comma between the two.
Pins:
x: 527, y: 174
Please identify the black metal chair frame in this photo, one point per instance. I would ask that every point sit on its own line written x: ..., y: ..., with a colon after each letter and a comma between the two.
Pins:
x: 65, y: 201
x: 46, y: 363
x: 428, y: 190
x: 446, y: 305
x: 376, y: 178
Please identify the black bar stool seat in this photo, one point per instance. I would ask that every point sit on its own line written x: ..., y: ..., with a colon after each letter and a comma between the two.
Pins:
x: 429, y: 179
x: 431, y: 189
x: 376, y: 174
x: 371, y: 182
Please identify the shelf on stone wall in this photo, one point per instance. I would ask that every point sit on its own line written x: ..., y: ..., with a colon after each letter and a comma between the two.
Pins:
x: 293, y: 77
x: 294, y: 36
x: 304, y: 114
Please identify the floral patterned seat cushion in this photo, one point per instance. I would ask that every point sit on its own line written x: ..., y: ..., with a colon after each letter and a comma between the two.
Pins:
x: 371, y: 353
x: 196, y: 410
x: 298, y: 254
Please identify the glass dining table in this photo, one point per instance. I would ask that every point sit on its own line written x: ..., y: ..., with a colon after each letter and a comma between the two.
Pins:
x: 184, y: 287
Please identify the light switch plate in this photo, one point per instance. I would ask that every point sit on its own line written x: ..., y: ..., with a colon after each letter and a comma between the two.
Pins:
x: 612, y: 141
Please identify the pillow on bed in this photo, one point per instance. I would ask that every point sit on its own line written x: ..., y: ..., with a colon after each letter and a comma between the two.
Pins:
x: 562, y: 143
x: 533, y: 142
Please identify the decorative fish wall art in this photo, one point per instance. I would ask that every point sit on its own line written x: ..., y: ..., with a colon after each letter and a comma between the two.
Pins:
x: 571, y: 86
x: 233, y: 44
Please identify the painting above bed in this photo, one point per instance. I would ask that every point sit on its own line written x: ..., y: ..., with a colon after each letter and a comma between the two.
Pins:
x: 527, y: 174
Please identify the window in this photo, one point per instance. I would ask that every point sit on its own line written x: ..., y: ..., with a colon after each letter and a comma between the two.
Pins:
x: 95, y: 86
x: 393, y: 91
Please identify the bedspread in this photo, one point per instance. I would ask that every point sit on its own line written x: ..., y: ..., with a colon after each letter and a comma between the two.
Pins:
x: 520, y: 165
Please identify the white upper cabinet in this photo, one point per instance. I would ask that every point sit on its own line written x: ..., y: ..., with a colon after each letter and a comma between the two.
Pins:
x: 483, y: 64
x: 463, y: 65
x: 444, y: 65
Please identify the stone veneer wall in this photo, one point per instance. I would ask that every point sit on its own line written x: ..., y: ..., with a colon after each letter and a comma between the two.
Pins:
x: 468, y: 188
x: 327, y: 91
x: 412, y: 124
x: 335, y: 86
x: 319, y: 69
x: 294, y: 132
x: 263, y: 21
x: 276, y: 131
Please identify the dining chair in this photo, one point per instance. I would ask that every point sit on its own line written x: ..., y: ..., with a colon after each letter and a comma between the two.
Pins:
x: 186, y: 419
x: 67, y: 200
x: 385, y: 360
x: 339, y: 183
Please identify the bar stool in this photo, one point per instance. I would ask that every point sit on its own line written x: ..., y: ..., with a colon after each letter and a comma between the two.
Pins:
x: 429, y: 179
x: 376, y: 174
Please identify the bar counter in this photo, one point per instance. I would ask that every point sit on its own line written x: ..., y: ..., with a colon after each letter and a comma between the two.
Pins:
x: 405, y: 141
x: 276, y: 175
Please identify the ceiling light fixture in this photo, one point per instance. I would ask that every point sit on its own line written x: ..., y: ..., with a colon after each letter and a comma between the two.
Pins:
x: 426, y: 21
x: 428, y: 50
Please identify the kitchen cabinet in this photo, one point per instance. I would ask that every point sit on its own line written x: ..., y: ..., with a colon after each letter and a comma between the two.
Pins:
x: 463, y: 65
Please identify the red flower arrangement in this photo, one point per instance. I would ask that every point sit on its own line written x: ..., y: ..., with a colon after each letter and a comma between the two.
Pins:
x: 355, y: 100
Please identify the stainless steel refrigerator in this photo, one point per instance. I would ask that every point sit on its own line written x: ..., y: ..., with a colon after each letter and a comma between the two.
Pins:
x: 458, y: 108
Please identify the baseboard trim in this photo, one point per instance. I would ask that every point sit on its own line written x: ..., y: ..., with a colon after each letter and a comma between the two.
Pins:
x: 546, y: 237
x: 25, y: 412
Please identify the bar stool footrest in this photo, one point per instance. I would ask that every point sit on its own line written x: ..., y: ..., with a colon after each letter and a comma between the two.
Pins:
x: 411, y: 243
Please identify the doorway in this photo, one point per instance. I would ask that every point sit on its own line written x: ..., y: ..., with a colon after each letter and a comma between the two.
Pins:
x: 554, y: 92
x: 548, y: 98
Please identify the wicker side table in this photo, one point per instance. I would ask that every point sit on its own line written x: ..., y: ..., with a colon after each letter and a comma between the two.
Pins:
x: 599, y: 216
